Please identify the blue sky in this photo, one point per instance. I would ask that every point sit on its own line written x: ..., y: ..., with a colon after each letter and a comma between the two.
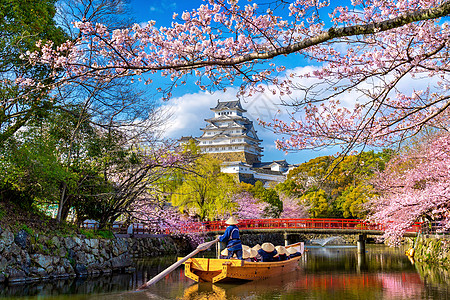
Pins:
x: 190, y: 106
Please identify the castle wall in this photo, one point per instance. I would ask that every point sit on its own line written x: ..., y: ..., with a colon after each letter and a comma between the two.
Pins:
x: 236, y: 156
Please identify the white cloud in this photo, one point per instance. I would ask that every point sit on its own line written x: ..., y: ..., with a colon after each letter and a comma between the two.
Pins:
x: 190, y: 111
x: 188, y: 114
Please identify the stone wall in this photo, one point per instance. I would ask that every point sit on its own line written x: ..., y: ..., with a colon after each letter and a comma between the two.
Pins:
x: 433, y: 249
x: 247, y: 178
x: 236, y: 156
x: 25, y: 257
x: 158, y: 246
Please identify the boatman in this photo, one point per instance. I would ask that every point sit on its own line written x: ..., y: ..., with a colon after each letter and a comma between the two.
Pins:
x: 232, y: 239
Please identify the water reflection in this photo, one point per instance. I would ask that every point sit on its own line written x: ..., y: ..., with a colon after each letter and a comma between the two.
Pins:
x: 324, y: 273
x: 145, y: 270
x: 303, y: 286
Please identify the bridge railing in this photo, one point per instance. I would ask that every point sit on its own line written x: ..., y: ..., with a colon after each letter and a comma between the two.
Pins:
x: 435, y: 227
x: 351, y: 224
x: 255, y: 224
x: 295, y: 224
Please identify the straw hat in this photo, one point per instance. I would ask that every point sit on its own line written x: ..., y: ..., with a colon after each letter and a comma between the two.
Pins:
x: 245, y: 254
x: 224, y: 252
x: 281, y: 250
x: 231, y: 221
x: 245, y: 247
x: 292, y: 250
x: 256, y: 247
x: 253, y: 253
x: 268, y: 247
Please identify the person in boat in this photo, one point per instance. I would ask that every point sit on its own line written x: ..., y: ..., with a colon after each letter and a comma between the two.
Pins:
x: 282, y: 253
x: 268, y: 252
x: 256, y: 248
x: 293, y: 252
x: 253, y: 255
x: 249, y: 255
x: 224, y: 254
x: 232, y: 239
x: 246, y: 255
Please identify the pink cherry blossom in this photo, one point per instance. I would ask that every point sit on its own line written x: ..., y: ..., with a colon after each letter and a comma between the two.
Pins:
x: 369, y: 48
x: 415, y: 186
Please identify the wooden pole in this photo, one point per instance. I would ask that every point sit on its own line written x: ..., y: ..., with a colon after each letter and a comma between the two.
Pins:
x: 201, y: 247
x: 218, y: 248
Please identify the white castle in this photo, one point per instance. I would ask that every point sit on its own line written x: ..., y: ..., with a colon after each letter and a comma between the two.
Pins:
x: 230, y: 137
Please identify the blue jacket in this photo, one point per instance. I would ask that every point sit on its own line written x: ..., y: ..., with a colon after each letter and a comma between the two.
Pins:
x: 283, y: 257
x: 231, y: 237
x: 295, y: 255
x: 267, y: 256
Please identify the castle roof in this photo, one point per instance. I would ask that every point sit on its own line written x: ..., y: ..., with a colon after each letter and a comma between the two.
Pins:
x: 228, y: 105
x: 282, y: 163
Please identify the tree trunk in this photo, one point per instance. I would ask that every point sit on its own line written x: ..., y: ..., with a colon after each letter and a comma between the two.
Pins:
x: 62, y: 201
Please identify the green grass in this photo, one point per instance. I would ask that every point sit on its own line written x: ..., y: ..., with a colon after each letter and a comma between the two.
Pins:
x: 96, y: 234
x: 27, y: 229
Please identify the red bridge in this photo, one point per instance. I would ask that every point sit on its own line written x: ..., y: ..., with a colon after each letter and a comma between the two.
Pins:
x: 338, y: 226
x: 342, y: 226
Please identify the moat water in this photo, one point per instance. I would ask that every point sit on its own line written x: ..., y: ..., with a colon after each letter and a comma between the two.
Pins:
x: 330, y: 272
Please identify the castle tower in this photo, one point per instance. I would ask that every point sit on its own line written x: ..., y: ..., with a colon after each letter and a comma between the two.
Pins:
x: 229, y: 136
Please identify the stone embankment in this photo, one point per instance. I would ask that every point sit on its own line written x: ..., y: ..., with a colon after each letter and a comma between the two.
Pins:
x: 25, y: 257
x: 157, y: 246
x: 28, y: 257
x: 433, y: 249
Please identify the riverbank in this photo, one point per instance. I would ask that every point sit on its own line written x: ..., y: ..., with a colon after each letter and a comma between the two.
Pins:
x: 27, y: 257
x: 325, y: 273
x: 433, y: 249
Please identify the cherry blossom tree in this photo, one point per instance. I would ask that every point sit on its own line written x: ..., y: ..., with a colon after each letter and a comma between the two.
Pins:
x: 370, y: 49
x: 133, y: 178
x: 292, y: 208
x: 249, y: 207
x: 160, y: 217
x: 415, y: 186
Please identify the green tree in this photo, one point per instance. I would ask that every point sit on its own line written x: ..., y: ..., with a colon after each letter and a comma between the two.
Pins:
x: 290, y: 188
x: 351, y: 201
x: 338, y: 178
x: 267, y: 195
x: 31, y: 171
x: 205, y: 191
x: 22, y: 24
x: 317, y: 202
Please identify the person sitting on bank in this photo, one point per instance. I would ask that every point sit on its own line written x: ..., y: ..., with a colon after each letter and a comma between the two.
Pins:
x: 267, y: 252
x: 282, y: 253
x: 232, y: 239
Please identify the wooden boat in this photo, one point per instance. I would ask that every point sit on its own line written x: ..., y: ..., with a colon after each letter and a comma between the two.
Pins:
x: 224, y: 270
